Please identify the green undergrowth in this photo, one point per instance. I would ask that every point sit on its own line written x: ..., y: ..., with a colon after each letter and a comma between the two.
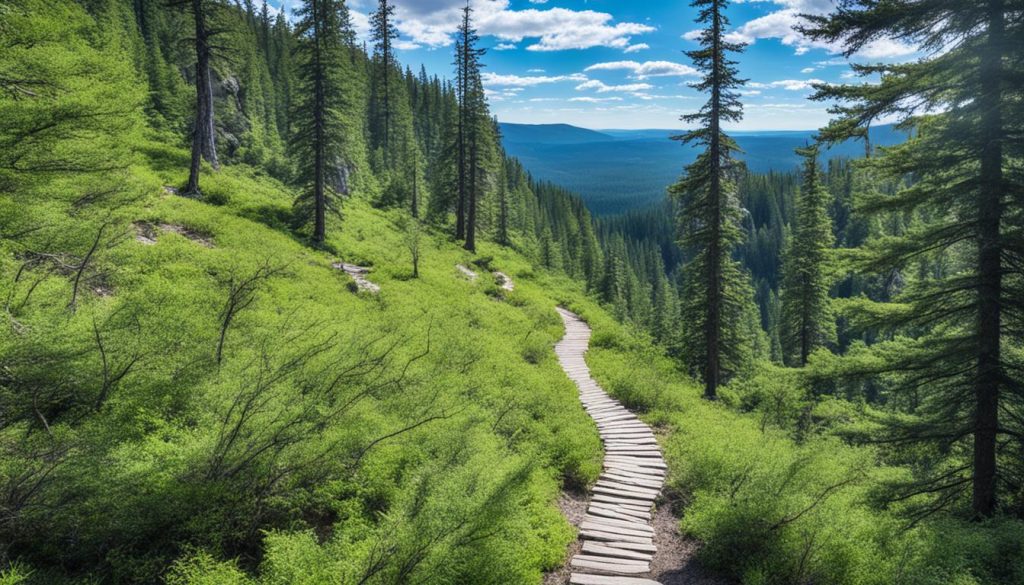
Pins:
x: 771, y: 508
x: 418, y: 435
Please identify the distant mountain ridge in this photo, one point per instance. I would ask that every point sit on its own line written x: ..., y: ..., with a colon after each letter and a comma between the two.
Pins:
x: 619, y: 170
x: 551, y: 134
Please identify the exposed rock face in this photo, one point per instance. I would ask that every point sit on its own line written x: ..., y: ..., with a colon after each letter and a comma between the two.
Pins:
x: 340, y: 182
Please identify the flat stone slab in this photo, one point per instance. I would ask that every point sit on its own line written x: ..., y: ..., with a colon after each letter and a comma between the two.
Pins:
x: 598, y: 549
x: 582, y: 579
x: 611, y: 567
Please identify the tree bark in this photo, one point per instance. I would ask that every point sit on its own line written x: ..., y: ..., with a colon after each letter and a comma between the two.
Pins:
x: 989, y: 373
x: 713, y: 327
x: 462, y: 80
x: 320, y: 154
x: 415, y: 187
x: 472, y: 195
x: 203, y: 133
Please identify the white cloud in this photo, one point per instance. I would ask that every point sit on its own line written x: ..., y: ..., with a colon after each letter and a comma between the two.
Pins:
x: 505, y: 46
x: 602, y: 87
x: 808, y: 70
x: 646, y: 69
x: 535, y: 71
x: 780, y: 25
x: 647, y: 97
x: 692, y: 35
x: 404, y: 45
x: 787, y: 84
x: 594, y: 100
x: 492, y: 79
x: 776, y: 25
x: 886, y: 48
x: 361, y: 24
x: 434, y: 22
x: 637, y: 47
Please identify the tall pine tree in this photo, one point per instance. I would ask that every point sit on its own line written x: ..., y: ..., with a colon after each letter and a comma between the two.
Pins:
x: 966, y: 165
x: 471, y: 127
x: 807, y: 320
x: 383, y: 33
x: 318, y: 138
x: 716, y: 291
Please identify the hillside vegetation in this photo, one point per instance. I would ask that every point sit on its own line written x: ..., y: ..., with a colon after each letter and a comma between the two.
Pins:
x: 194, y: 389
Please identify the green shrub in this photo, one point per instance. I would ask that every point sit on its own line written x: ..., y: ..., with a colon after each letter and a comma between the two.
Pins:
x: 537, y: 348
x: 202, y: 569
x: 15, y: 574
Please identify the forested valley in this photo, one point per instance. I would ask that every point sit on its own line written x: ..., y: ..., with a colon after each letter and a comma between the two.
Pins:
x: 279, y: 308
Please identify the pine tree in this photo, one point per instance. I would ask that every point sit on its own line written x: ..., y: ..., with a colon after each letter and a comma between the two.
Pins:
x: 318, y: 140
x: 807, y: 321
x: 204, y: 134
x: 716, y: 290
x: 472, y: 117
x: 383, y: 35
x: 966, y: 164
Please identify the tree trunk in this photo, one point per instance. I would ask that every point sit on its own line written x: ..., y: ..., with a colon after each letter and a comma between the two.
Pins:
x: 415, y: 188
x: 989, y: 360
x: 472, y: 195
x: 203, y: 134
x: 460, y: 209
x: 713, y: 327
x: 387, y: 86
x: 320, y: 154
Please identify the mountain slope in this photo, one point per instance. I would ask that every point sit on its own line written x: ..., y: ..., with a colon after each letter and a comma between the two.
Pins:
x: 632, y: 168
x: 550, y: 134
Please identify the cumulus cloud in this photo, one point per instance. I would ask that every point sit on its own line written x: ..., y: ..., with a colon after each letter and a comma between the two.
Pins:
x: 492, y: 79
x: 648, y: 97
x: 780, y: 25
x: 595, y: 100
x: 646, y: 69
x: 787, y: 84
x: 505, y: 46
x: 637, y: 47
x: 361, y: 24
x: 434, y: 22
x: 602, y: 87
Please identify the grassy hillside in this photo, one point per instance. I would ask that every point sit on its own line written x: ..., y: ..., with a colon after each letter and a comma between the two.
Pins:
x: 418, y: 435
x: 429, y: 421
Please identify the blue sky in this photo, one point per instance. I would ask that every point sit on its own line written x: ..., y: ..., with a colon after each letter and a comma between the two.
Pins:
x: 619, y: 63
